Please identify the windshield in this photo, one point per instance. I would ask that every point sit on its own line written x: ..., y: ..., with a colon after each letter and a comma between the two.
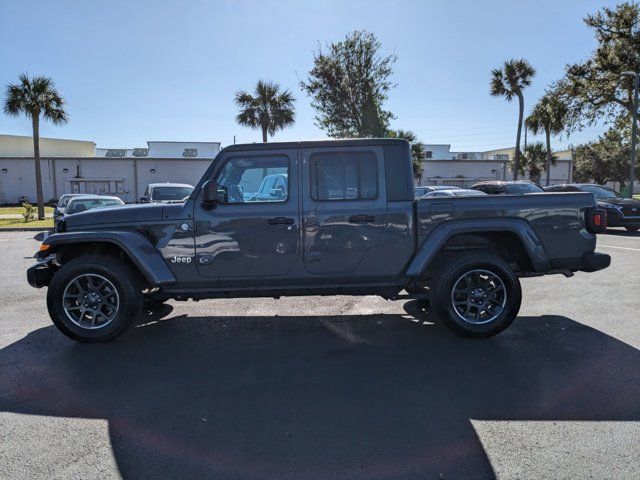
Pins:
x: 82, y: 205
x: 522, y: 188
x: 468, y: 193
x: 170, y: 193
x: 601, y: 192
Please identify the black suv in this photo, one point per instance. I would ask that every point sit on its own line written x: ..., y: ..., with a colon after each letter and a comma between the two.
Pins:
x: 621, y: 212
x: 497, y: 187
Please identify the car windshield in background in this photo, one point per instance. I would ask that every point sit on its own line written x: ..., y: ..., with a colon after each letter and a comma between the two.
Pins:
x: 522, y: 188
x: 600, y: 192
x: 467, y: 193
x: 78, y: 206
x: 170, y: 193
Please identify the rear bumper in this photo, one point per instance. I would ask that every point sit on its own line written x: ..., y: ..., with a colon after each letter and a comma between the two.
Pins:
x: 594, y: 261
x: 39, y: 275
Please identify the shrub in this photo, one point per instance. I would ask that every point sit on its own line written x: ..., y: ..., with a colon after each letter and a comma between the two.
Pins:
x: 29, y: 212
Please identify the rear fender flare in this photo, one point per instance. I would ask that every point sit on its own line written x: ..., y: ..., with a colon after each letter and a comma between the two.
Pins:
x: 436, y: 240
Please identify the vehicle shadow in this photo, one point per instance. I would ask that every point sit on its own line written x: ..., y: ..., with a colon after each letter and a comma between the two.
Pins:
x: 353, y: 396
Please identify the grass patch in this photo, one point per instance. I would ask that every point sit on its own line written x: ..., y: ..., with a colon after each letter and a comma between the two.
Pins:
x: 18, y: 210
x: 20, y: 223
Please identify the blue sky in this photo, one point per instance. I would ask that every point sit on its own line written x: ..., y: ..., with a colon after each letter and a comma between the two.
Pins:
x: 133, y: 71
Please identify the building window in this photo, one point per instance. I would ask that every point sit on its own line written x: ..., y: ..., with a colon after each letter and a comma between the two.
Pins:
x: 140, y: 152
x: 190, y: 152
x: 428, y: 154
x: 116, y: 152
x: 343, y: 176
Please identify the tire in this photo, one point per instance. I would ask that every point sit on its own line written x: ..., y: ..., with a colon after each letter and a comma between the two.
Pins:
x: 632, y: 229
x: 483, y: 276
x: 112, y: 305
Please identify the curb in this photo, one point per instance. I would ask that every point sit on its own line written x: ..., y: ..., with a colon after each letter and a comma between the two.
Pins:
x: 25, y: 229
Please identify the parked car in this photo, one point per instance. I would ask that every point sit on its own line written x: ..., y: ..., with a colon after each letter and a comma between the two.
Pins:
x: 458, y: 192
x: 424, y: 189
x: 272, y: 188
x: 166, y: 192
x: 621, y: 211
x: 497, y: 187
x: 84, y: 203
x: 58, y: 211
x: 349, y: 226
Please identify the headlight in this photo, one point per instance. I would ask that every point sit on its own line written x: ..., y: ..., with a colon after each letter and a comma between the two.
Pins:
x: 607, y: 205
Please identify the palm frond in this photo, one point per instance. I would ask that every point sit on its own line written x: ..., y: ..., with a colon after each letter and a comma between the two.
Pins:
x: 267, y: 108
x: 34, y: 97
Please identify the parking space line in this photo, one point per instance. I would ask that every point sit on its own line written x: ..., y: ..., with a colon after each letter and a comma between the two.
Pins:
x: 620, y: 248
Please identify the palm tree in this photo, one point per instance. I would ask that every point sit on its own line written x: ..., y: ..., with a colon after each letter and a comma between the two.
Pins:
x: 417, y: 148
x: 549, y: 115
x: 508, y: 82
x: 35, y: 97
x: 269, y: 109
x: 534, y: 160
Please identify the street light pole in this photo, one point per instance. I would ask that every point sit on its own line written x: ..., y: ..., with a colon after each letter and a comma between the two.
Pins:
x: 634, y: 127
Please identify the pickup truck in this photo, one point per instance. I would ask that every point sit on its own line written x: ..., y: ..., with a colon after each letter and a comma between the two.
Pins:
x: 347, y: 223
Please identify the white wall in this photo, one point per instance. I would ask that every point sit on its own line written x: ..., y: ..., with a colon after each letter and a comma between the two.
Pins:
x: 115, y: 174
x: 470, y: 171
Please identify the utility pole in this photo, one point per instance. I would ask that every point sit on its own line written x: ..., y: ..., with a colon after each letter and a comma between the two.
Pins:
x: 634, y: 127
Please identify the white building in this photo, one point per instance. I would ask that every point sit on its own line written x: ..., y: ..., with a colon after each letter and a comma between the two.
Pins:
x: 80, y: 167
x: 441, y: 166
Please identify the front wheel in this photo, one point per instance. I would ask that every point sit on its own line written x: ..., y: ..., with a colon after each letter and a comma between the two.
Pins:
x: 93, y: 298
x: 632, y: 229
x: 476, y: 295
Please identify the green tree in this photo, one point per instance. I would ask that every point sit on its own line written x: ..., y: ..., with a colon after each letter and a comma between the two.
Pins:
x: 548, y: 116
x: 36, y: 97
x: 348, y: 85
x: 417, y: 148
x: 270, y: 109
x: 604, y: 160
x: 509, y: 81
x: 534, y: 160
x: 593, y: 89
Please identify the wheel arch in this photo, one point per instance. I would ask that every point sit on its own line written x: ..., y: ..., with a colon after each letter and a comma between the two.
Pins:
x: 502, y: 236
x: 132, y: 247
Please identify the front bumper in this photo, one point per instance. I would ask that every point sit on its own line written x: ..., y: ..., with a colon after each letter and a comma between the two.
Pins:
x: 40, y: 274
x: 594, y: 261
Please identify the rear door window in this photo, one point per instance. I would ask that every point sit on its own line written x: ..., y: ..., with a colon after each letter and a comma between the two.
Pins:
x: 352, y: 176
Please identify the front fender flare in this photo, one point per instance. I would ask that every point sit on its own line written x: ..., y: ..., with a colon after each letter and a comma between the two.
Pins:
x: 135, y: 245
x: 436, y: 240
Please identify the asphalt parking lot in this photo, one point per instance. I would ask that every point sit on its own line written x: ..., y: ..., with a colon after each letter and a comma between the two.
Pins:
x: 336, y: 387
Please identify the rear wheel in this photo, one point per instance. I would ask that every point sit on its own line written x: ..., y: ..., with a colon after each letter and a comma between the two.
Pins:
x: 94, y: 298
x: 632, y: 229
x: 476, y: 294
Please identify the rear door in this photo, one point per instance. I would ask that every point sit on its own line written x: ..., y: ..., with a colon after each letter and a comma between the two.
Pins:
x: 344, y: 206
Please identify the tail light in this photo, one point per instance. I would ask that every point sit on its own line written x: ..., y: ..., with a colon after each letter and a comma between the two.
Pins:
x: 597, y: 220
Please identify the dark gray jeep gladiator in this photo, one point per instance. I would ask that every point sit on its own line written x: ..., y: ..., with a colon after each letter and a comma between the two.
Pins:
x: 314, y: 218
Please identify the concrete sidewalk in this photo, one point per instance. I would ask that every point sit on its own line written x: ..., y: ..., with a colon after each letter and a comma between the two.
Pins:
x: 5, y: 216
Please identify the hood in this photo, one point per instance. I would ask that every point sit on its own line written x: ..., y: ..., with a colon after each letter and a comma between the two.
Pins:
x: 124, y: 214
x: 623, y: 202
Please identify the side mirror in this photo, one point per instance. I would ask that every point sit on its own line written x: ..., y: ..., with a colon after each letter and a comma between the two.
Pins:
x: 144, y: 199
x: 210, y: 194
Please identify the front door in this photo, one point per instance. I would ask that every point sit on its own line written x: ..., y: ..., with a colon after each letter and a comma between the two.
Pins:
x: 253, y: 232
x: 344, y: 206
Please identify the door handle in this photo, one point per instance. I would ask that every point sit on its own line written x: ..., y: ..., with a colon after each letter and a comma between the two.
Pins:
x: 280, y: 221
x: 362, y: 219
